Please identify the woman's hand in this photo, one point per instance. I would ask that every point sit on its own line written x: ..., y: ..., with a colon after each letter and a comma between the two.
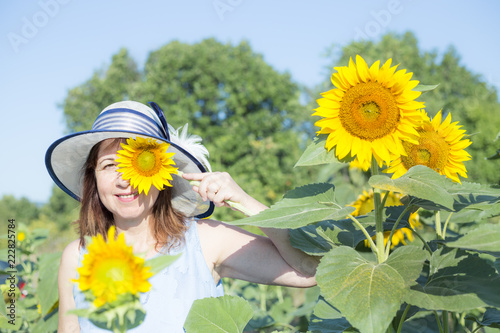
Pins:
x: 219, y: 187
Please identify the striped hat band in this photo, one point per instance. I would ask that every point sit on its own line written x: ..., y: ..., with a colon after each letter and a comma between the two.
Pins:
x: 127, y: 120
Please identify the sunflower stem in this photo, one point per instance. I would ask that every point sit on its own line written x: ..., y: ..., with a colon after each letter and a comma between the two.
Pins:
x: 379, y: 223
x: 367, y: 235
x: 438, y: 321
x: 444, y: 314
x: 427, y: 247
x: 388, y: 247
x: 403, y: 317
x: 437, y: 221
x: 446, y: 224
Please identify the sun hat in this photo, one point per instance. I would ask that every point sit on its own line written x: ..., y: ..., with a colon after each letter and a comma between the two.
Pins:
x: 66, y: 157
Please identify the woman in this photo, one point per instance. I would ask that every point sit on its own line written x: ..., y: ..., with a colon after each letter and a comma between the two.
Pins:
x: 166, y: 220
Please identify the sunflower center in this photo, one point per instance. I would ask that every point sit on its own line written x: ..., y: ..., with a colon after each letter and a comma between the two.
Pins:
x: 112, y: 271
x: 369, y: 111
x: 146, y: 160
x: 432, y: 151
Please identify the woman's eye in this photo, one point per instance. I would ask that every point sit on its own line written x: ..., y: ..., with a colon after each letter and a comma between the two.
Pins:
x: 109, y: 166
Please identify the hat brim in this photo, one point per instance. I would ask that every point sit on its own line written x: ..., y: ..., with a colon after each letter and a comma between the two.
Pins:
x: 66, y: 157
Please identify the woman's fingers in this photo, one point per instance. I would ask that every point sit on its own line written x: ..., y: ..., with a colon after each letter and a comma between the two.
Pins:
x: 215, y: 186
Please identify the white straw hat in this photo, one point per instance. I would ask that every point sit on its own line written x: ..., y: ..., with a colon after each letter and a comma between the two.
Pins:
x: 66, y: 157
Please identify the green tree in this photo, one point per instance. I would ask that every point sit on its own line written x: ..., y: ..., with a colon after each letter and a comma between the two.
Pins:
x: 61, y: 209
x: 466, y: 95
x: 22, y: 210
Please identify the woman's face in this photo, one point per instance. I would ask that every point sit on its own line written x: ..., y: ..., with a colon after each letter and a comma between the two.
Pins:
x: 116, y: 194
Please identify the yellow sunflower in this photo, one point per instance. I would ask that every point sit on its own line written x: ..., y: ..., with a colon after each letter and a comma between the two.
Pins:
x: 21, y: 236
x: 364, y: 204
x: 440, y: 147
x: 146, y: 162
x: 370, y: 112
x: 110, y: 269
x: 355, y: 164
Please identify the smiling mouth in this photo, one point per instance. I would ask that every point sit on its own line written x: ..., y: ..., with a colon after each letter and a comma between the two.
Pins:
x: 128, y: 196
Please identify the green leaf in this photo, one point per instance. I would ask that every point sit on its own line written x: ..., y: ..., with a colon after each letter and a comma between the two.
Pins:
x: 300, y: 207
x: 422, y: 322
x: 47, y: 282
x: 484, y: 238
x: 428, y: 189
x: 260, y: 320
x: 425, y: 87
x: 218, y: 314
x: 327, y: 319
x: 316, y: 153
x: 319, y: 238
x: 474, y: 196
x: 366, y: 293
x: 491, y: 318
x: 3, y: 309
x: 495, y: 156
x: 458, y: 281
x: 475, y: 213
x: 158, y: 263
x: 10, y: 324
x: 46, y: 324
x: 421, y: 182
x: 408, y: 261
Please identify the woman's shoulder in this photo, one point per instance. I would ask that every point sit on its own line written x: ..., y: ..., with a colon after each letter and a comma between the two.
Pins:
x: 70, y: 254
x: 73, y: 247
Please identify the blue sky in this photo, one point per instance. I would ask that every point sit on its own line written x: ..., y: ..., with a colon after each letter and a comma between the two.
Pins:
x: 50, y: 46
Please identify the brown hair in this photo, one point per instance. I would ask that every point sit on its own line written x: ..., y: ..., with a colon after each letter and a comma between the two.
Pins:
x: 167, y: 227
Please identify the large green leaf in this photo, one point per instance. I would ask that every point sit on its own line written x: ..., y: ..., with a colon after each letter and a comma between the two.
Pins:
x: 366, y: 293
x: 319, y: 238
x: 218, y: 314
x: 491, y: 318
x: 474, y: 213
x: 484, y: 238
x: 474, y: 196
x: 47, y: 281
x: 428, y: 189
x: 327, y: 319
x: 458, y: 281
x: 48, y: 324
x: 316, y: 153
x: 420, y: 182
x: 299, y: 207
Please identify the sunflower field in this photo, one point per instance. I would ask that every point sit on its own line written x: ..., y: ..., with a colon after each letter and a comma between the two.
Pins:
x: 396, y: 190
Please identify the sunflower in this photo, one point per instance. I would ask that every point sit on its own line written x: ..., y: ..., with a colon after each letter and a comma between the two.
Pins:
x: 110, y: 269
x: 21, y: 236
x: 355, y: 164
x: 370, y: 112
x: 440, y: 147
x: 146, y: 162
x: 364, y: 204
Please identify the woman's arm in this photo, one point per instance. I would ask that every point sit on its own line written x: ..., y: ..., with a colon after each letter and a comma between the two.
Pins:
x: 248, y: 253
x: 236, y: 253
x: 67, y: 272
